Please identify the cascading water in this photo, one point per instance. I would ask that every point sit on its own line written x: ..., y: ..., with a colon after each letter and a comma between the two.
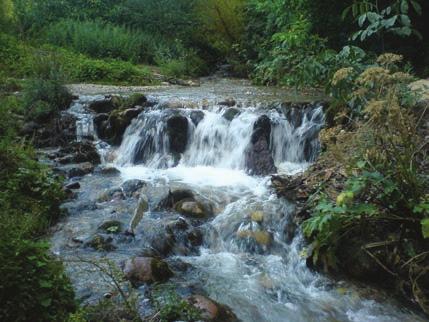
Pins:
x: 252, y: 263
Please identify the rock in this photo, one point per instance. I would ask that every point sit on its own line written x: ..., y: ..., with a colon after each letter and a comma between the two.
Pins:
x: 192, y: 209
x: 174, y: 197
x: 231, y: 113
x: 131, y: 186
x: 99, y: 119
x: 142, y: 207
x: 258, y: 158
x: 111, y: 194
x: 257, y: 216
x: 140, y: 270
x: 111, y: 227
x: 101, y: 243
x: 78, y: 152
x: 105, y: 105
x: 73, y: 186
x: 177, y: 130
x: 108, y: 171
x: 211, y: 310
x: 263, y: 238
x: 197, y: 117
x: 230, y: 102
x: 79, y: 170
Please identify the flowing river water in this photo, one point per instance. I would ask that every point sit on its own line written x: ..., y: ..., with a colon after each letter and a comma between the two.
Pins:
x: 259, y: 280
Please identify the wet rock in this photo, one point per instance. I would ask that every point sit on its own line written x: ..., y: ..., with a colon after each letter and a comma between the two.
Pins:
x: 131, y: 186
x: 79, y: 170
x: 99, y: 119
x: 140, y: 270
x: 174, y: 197
x: 257, y: 216
x: 258, y: 158
x: 111, y: 227
x: 263, y: 238
x: 78, y: 152
x: 113, y: 128
x: 73, y: 186
x: 211, y: 310
x: 142, y: 207
x: 192, y: 208
x: 177, y: 130
x: 231, y: 113
x: 108, y: 171
x: 197, y: 117
x: 230, y: 102
x: 111, y: 194
x: 101, y: 243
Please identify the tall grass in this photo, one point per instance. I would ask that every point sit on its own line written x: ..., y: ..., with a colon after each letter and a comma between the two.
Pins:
x: 102, y: 40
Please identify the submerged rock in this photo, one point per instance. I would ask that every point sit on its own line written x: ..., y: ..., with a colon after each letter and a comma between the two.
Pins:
x: 258, y: 158
x: 111, y: 227
x: 132, y: 186
x: 101, y: 243
x: 140, y: 270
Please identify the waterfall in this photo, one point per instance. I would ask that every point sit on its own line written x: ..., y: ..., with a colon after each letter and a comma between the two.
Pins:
x: 213, y: 139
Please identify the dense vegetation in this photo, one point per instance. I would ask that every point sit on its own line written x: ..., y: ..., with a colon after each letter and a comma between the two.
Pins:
x: 374, y: 133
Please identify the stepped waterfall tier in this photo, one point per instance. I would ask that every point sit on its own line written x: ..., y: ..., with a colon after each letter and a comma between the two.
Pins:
x: 198, y: 172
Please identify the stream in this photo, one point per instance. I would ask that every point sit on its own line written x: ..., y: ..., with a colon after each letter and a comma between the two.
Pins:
x: 250, y: 257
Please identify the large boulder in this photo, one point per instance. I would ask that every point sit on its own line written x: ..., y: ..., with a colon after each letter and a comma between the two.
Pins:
x: 141, y: 270
x: 258, y: 158
x: 111, y: 127
x: 177, y: 131
x: 104, y: 105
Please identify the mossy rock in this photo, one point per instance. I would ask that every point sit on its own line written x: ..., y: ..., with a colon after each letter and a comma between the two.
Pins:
x: 111, y: 227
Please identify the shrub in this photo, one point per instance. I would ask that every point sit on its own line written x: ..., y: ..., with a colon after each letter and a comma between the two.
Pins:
x: 102, y: 40
x: 33, y: 286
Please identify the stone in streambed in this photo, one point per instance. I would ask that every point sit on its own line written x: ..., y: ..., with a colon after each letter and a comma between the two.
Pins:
x: 141, y: 270
x: 174, y: 197
x: 142, y: 207
x: 79, y: 170
x: 111, y: 227
x: 73, y: 186
x: 177, y: 131
x: 257, y: 216
x: 191, y: 208
x: 258, y: 158
x: 101, y: 243
x: 263, y: 238
x: 211, y: 310
x: 131, y: 186
x: 230, y: 114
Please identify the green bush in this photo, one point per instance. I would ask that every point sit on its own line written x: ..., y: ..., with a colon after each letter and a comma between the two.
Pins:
x: 33, y: 286
x: 102, y: 40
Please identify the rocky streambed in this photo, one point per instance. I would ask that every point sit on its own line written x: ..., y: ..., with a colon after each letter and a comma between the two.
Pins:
x: 174, y: 189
